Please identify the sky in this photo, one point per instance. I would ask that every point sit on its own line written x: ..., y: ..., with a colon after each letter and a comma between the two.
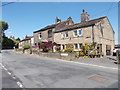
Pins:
x: 26, y: 17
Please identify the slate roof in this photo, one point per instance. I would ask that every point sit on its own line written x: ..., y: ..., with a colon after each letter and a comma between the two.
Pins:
x: 27, y: 38
x: 80, y: 25
x: 50, y: 26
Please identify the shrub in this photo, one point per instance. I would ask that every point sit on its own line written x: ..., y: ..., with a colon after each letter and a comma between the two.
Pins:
x: 26, y: 47
x: 81, y: 54
x: 85, y: 48
x: 68, y: 50
x: 86, y: 57
x: 76, y: 54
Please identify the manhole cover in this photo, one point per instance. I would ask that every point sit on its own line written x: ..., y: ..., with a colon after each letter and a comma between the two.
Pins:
x: 97, y: 78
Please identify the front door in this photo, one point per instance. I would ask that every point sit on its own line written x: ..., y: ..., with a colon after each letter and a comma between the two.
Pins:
x: 108, y: 49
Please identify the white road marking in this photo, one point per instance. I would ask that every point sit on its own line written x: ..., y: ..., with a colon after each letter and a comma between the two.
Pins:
x: 9, y: 73
x: 6, y: 69
x: 88, y: 64
x: 19, y: 84
x: 13, y: 77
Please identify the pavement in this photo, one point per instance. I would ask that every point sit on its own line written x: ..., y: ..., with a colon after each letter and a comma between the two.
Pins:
x: 41, y: 72
x: 108, y: 61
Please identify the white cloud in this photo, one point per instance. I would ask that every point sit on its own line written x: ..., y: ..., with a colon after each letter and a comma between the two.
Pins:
x: 9, y: 32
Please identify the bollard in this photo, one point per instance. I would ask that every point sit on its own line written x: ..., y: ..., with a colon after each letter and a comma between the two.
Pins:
x: 118, y: 56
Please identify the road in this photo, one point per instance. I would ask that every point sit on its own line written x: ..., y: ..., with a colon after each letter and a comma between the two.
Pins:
x: 39, y: 72
x: 6, y: 80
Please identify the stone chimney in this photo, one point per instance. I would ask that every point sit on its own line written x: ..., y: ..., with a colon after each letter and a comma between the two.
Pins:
x: 84, y: 16
x: 70, y: 22
x: 57, y: 20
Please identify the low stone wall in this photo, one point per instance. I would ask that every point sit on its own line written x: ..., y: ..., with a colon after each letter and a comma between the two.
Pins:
x: 65, y: 56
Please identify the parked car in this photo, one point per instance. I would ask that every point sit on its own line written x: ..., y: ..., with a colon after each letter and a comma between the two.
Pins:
x: 115, y: 50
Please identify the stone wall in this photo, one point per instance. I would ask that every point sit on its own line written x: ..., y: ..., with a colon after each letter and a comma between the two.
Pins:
x: 64, y: 56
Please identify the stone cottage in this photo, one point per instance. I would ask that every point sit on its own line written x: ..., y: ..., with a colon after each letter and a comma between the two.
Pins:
x: 46, y: 34
x: 65, y: 33
x: 98, y: 30
x: 28, y: 40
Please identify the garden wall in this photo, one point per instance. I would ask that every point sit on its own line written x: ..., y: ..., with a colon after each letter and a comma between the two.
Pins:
x: 64, y: 56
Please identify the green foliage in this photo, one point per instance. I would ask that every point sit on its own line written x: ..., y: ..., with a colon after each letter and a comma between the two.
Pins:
x: 39, y: 42
x: 76, y: 54
x: 86, y: 57
x: 93, y: 52
x: 85, y: 48
x: 7, y: 43
x: 92, y: 45
x: 81, y: 54
x: 68, y: 50
x: 3, y: 25
x: 26, y: 46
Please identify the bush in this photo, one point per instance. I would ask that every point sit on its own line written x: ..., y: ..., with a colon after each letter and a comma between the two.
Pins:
x: 26, y: 46
x: 81, y: 54
x: 86, y: 57
x: 68, y: 50
x: 76, y: 54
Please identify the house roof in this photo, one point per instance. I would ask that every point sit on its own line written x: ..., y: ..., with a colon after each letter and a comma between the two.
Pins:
x: 27, y: 38
x: 51, y: 26
x: 80, y: 25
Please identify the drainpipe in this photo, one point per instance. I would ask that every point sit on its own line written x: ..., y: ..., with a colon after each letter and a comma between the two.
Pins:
x: 93, y: 34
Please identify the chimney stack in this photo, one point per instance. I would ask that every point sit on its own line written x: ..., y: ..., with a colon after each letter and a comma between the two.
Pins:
x: 57, y: 20
x: 84, y: 16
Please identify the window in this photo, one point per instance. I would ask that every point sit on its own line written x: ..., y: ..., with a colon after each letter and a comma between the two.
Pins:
x: 49, y: 33
x: 39, y: 35
x: 75, y: 33
x: 79, y: 32
x: 66, y: 34
x: 63, y: 46
x: 80, y: 45
x: 76, y: 46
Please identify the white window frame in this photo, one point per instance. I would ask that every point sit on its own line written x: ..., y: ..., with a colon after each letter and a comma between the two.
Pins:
x: 39, y: 36
x: 65, y: 34
x: 77, y: 33
x: 77, y: 46
x: 74, y: 34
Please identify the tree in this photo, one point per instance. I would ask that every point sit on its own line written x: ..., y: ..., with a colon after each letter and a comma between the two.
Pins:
x: 7, y: 43
x: 3, y: 27
x: 18, y: 39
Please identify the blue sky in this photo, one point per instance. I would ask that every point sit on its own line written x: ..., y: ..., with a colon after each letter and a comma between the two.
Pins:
x: 26, y: 17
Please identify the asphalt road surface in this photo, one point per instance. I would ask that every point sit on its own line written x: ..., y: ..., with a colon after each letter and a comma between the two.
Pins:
x: 39, y: 72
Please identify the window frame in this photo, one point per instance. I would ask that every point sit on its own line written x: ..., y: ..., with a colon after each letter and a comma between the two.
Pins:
x: 66, y: 35
x: 75, y: 46
x: 40, y: 35
x: 74, y: 33
x: 77, y: 33
x: 49, y: 33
